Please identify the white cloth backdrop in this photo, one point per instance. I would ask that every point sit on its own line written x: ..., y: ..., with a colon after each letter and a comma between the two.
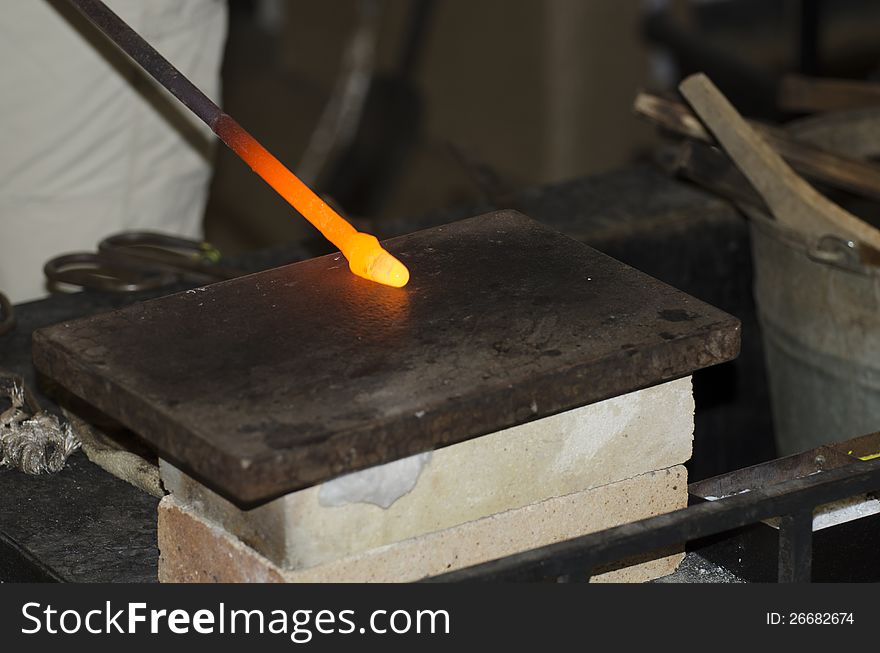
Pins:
x: 89, y: 146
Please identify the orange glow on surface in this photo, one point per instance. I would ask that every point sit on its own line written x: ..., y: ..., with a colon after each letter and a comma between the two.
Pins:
x: 366, y: 257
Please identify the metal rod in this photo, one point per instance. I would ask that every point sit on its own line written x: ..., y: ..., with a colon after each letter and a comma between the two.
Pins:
x: 796, y: 547
x: 365, y: 255
x: 810, y: 37
x: 133, y: 44
x: 657, y: 533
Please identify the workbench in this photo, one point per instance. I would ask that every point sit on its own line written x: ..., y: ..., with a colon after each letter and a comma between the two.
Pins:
x: 85, y: 525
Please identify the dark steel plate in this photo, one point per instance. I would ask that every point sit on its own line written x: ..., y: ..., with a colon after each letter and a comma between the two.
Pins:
x: 286, y: 378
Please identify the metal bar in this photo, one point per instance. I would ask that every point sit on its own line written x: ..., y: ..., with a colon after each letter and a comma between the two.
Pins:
x: 796, y: 547
x: 709, y: 167
x: 132, y: 44
x: 655, y: 533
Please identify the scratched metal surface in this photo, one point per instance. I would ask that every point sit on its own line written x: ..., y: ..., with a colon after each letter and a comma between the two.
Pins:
x: 286, y: 378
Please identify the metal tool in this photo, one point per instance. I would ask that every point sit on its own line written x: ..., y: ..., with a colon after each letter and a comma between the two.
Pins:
x: 366, y: 257
x: 294, y: 372
x: 139, y: 260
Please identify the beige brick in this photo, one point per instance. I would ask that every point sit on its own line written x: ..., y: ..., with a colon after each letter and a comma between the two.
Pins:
x: 558, y: 456
x: 194, y: 549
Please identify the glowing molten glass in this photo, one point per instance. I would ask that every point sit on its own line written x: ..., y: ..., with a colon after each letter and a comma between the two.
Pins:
x: 366, y: 257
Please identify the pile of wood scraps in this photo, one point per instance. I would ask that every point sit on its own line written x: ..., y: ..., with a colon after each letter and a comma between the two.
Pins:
x: 767, y: 168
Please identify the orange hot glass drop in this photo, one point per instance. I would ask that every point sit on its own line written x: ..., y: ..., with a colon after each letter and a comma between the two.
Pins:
x: 366, y: 257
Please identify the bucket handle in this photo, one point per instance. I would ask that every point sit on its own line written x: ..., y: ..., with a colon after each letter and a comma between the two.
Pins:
x: 838, y: 252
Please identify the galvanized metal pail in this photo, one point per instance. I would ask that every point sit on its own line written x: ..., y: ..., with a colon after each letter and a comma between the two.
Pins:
x: 819, y: 309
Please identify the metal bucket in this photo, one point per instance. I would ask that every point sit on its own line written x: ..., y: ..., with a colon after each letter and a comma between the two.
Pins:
x: 819, y: 309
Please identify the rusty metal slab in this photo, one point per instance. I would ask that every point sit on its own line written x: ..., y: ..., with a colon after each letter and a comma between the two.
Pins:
x: 279, y: 380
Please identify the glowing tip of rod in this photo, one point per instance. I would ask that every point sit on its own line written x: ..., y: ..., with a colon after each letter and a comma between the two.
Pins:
x: 388, y: 270
x: 367, y: 259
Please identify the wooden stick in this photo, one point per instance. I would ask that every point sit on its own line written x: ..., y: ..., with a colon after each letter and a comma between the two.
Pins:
x: 816, y: 163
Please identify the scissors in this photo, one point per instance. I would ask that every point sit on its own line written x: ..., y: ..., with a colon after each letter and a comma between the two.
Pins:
x: 7, y: 315
x: 133, y: 261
